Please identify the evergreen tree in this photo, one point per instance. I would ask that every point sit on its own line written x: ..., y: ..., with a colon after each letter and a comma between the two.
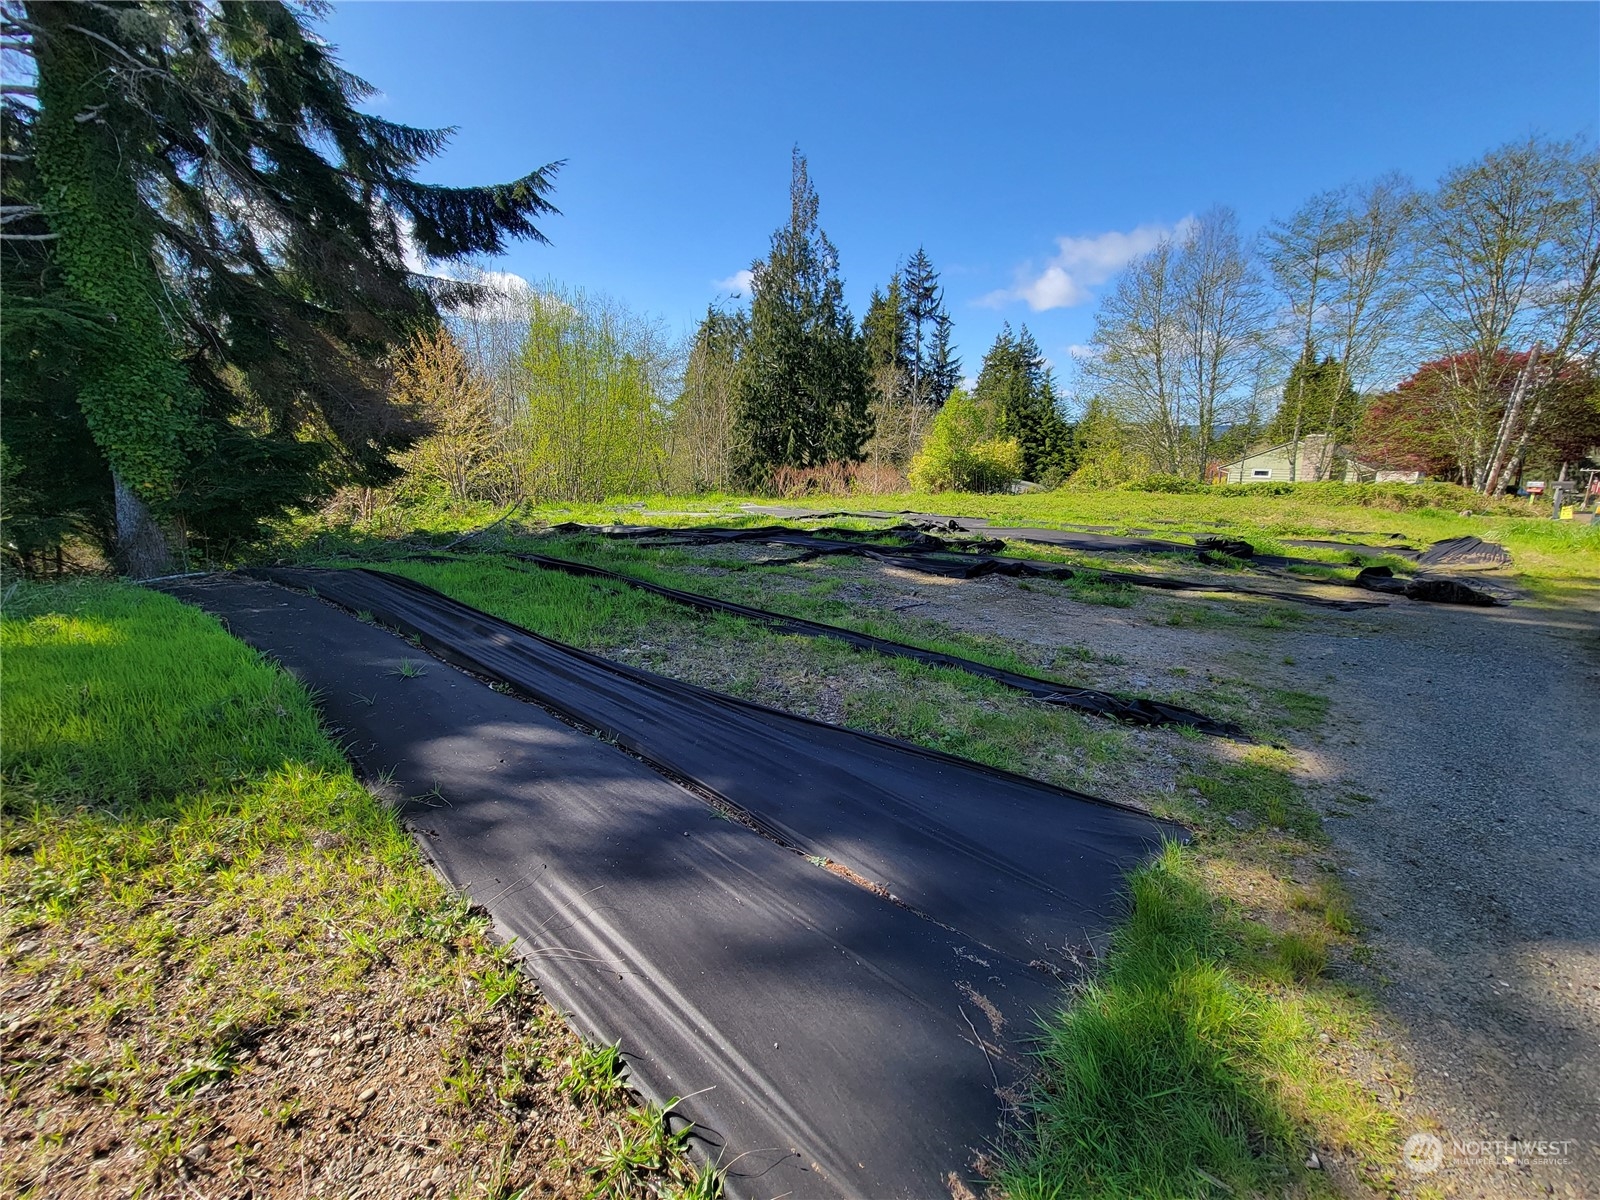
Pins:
x: 804, y: 397
x: 1018, y: 384
x: 211, y: 198
x: 1318, y: 399
x: 897, y: 425
x: 944, y: 373
x: 933, y: 371
x: 884, y: 329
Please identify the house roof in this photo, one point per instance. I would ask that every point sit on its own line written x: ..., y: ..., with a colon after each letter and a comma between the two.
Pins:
x: 1311, y: 439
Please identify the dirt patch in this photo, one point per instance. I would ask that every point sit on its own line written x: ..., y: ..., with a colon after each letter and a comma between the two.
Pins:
x: 330, y: 1077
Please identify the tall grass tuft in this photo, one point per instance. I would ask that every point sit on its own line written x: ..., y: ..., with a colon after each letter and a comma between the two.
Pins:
x: 1155, y: 1081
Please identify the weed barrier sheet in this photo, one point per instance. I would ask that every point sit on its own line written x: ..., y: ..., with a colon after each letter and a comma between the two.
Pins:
x: 825, y: 1043
x: 825, y: 1040
x: 1082, y: 538
x: 1464, y: 551
x: 931, y: 556
x: 1106, y: 704
x: 1013, y: 863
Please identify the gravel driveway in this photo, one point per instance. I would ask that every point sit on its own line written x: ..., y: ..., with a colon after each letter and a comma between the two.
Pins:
x: 1477, y: 733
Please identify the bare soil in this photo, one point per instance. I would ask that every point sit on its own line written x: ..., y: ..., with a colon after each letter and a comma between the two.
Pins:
x: 396, y: 1086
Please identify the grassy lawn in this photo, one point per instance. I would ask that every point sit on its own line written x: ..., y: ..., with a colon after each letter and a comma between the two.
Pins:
x: 227, y: 966
x: 1552, y: 560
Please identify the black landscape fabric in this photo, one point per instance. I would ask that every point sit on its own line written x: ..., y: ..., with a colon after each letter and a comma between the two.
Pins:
x: 1435, y: 591
x: 1452, y: 552
x: 1106, y: 704
x: 826, y: 1041
x: 930, y: 556
x: 953, y: 839
x: 1464, y: 552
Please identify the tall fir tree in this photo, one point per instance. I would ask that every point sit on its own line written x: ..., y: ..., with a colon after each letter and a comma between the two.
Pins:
x: 805, y: 393
x: 217, y: 204
x: 944, y: 372
x: 932, y: 369
x: 897, y: 425
x: 884, y: 329
x: 1018, y: 383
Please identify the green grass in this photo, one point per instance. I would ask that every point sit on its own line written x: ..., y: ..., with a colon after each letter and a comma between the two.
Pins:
x: 1181, y: 1069
x: 102, y: 707
x: 194, y: 878
x: 1260, y: 789
x: 1553, y: 559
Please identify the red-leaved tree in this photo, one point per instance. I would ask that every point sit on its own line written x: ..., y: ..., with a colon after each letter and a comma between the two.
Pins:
x: 1435, y: 422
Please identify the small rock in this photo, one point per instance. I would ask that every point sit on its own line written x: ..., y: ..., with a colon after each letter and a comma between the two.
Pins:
x: 368, y: 1095
x: 1313, y: 1163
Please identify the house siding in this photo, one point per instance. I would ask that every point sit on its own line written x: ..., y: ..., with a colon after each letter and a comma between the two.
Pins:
x: 1281, y: 465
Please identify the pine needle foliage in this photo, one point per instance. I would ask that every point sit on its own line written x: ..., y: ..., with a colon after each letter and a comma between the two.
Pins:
x: 1017, y: 384
x: 209, y: 192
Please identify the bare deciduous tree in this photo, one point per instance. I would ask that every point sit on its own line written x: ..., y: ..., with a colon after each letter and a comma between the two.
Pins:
x: 1223, y: 317
x: 1571, y: 321
x: 1337, y: 262
x: 1177, y: 340
x: 1138, y: 347
x: 1506, y: 259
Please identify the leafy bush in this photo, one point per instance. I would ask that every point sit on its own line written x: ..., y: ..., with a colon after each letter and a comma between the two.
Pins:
x: 962, y: 452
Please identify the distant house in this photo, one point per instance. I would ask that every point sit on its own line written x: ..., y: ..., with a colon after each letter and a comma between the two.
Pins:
x: 1288, y: 462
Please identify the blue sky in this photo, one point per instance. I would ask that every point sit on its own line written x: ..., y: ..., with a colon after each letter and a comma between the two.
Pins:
x: 1029, y: 148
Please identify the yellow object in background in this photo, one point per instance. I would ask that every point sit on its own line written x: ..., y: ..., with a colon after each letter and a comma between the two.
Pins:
x: 1566, y: 511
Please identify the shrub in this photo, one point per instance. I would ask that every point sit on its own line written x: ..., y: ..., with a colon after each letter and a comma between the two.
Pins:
x: 963, y: 453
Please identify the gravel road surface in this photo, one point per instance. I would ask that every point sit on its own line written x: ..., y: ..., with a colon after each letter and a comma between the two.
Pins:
x: 1477, y: 733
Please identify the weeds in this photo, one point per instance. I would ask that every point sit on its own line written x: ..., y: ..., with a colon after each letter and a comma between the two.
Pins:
x: 1181, y: 1067
x: 595, y: 1074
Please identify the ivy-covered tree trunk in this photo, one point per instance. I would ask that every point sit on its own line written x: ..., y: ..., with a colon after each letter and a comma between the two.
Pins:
x: 142, y: 548
x: 136, y: 398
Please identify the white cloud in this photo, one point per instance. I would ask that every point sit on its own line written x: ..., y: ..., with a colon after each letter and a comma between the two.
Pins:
x: 736, y: 284
x: 1080, y: 264
x: 1079, y: 351
x: 506, y: 282
x: 502, y: 286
